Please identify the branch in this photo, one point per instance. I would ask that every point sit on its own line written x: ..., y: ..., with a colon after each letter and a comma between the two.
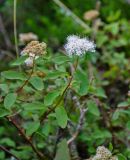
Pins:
x: 8, y: 152
x: 27, y: 139
x: 73, y: 15
x: 79, y: 126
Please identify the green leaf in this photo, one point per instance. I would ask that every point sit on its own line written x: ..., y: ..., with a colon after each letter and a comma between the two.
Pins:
x: 123, y: 104
x: 34, y: 106
x: 121, y: 157
x: 10, y: 100
x: 61, y: 116
x: 4, y: 87
x: 100, y: 93
x: 110, y: 147
x: 116, y: 115
x: 50, y: 97
x: 61, y: 59
x: 8, y: 142
x: 19, y: 61
x: 63, y: 151
x: 93, y: 108
x: 56, y: 74
x: 32, y: 127
x: 37, y: 83
x: 82, y: 78
x: 3, y: 112
x: 13, y: 75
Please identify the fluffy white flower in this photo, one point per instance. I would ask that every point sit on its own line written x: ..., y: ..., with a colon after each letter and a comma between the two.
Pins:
x: 78, y: 46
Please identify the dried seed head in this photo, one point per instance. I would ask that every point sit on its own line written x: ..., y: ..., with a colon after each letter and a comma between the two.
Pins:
x: 78, y: 46
x: 35, y: 48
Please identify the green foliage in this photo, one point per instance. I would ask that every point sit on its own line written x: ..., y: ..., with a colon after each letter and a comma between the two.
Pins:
x: 61, y: 116
x: 100, y: 83
x: 63, y: 151
x: 10, y: 100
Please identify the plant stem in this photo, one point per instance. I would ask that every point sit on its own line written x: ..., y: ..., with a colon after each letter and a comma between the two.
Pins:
x: 43, y: 117
x: 15, y: 28
x: 8, y: 152
x: 27, y: 139
x: 72, y: 14
x: 27, y: 80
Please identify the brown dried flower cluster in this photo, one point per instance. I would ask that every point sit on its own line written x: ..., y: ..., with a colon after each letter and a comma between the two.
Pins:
x: 34, y: 50
x: 25, y: 38
x: 103, y: 153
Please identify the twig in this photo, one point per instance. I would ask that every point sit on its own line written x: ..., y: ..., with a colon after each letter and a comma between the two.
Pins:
x: 74, y: 16
x: 43, y: 117
x: 8, y: 152
x: 28, y: 140
x: 79, y: 126
x: 15, y: 28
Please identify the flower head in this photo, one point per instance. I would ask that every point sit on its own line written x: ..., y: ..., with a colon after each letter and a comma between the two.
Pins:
x: 78, y: 46
x: 34, y: 50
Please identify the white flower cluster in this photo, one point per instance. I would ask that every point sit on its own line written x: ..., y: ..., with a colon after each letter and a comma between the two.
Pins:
x: 78, y: 46
x: 103, y: 153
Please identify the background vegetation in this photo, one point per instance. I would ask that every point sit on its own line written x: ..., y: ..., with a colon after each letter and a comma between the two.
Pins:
x: 106, y: 73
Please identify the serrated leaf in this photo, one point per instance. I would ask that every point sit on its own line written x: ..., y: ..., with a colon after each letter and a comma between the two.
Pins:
x: 61, y: 116
x: 32, y: 127
x: 37, y: 83
x: 3, y: 112
x: 13, y: 75
x: 10, y: 100
x: 50, y: 97
x: 93, y: 108
x: 63, y: 151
